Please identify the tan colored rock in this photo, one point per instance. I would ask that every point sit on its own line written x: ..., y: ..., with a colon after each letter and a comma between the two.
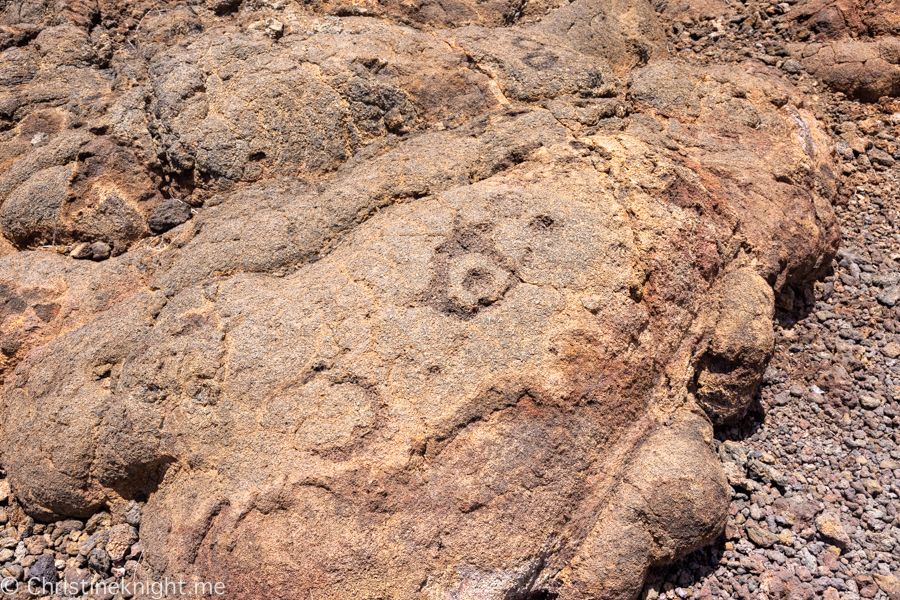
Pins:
x: 830, y: 528
x: 872, y: 486
x: 762, y: 537
x: 891, y: 350
x: 121, y: 537
x: 889, y: 584
x: 452, y: 316
x: 43, y: 294
x: 5, y: 247
x: 741, y: 344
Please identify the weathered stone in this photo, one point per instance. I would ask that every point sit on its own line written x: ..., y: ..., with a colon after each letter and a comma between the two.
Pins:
x: 77, y: 579
x: 101, y: 521
x: 858, y: 49
x: 456, y: 309
x: 99, y: 561
x: 830, y: 528
x: 121, y: 537
x: 133, y: 513
x: 869, y: 402
x: 169, y: 214
x: 890, y: 297
x: 889, y: 584
x: 762, y: 537
x: 100, y: 250
x: 880, y: 157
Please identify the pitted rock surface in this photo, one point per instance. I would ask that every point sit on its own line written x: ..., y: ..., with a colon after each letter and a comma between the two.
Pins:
x: 853, y: 47
x: 408, y: 300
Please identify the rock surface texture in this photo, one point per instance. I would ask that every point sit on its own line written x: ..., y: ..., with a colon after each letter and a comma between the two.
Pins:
x: 387, y: 300
x: 814, y: 469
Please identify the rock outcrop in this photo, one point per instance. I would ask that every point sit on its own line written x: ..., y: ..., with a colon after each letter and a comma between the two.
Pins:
x: 401, y: 300
x: 853, y: 47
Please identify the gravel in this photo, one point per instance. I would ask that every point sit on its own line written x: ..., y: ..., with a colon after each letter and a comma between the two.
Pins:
x: 79, y: 553
x: 815, y: 469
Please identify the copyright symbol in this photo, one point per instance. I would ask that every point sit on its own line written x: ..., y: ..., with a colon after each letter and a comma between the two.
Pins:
x: 9, y: 586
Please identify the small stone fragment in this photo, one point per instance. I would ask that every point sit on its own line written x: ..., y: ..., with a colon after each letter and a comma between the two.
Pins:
x: 100, y: 251
x: 169, y: 214
x: 872, y: 486
x: 133, y: 513
x: 762, y: 537
x: 891, y: 350
x: 792, y: 66
x: 274, y: 28
x: 880, y: 157
x: 830, y: 529
x: 77, y: 578
x: 82, y: 251
x: 121, y: 537
x: 43, y: 571
x: 99, y: 561
x: 889, y: 584
x: 890, y: 297
x: 221, y: 7
x: 869, y: 402
x: 101, y: 520
x: 12, y: 571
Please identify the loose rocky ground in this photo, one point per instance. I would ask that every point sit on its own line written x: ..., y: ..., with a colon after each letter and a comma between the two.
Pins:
x: 816, y: 472
x: 67, y: 556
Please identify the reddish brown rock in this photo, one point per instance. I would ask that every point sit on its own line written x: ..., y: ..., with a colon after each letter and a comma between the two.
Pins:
x: 855, y: 48
x: 866, y: 70
x: 835, y: 20
x: 454, y: 313
x: 784, y: 585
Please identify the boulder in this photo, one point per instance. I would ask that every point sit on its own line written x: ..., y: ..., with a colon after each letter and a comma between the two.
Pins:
x: 855, y: 47
x: 837, y: 19
x: 455, y: 312
x: 866, y: 70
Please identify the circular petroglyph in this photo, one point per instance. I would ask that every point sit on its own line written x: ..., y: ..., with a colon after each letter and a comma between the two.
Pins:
x: 475, y: 280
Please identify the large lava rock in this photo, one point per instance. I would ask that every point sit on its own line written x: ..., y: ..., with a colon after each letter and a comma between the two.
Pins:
x: 853, y: 47
x: 456, y: 309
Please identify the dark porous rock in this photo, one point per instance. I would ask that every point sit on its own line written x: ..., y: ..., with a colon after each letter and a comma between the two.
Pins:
x: 43, y: 571
x: 133, y: 513
x: 99, y: 561
x: 98, y: 521
x: 169, y: 214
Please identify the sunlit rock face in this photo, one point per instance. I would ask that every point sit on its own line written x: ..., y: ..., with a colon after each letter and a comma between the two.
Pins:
x: 401, y: 300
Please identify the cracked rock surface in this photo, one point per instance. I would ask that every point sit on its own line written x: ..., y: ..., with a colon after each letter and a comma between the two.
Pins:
x: 413, y: 300
x: 814, y: 468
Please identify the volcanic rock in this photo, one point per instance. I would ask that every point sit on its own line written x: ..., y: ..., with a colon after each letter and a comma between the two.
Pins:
x: 458, y: 308
x: 856, y: 46
x: 43, y: 571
